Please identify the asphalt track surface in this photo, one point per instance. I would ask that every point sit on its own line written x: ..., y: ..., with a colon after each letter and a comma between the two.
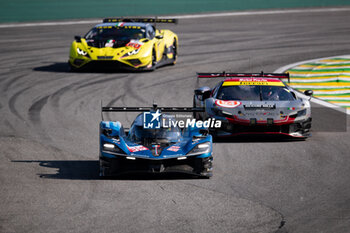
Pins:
x: 49, y: 136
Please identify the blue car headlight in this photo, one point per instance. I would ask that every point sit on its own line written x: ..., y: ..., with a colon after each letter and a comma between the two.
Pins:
x: 109, y: 147
x: 200, y: 149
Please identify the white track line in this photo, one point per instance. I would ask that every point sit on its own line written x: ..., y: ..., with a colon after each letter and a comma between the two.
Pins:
x: 194, y: 16
x: 315, y: 100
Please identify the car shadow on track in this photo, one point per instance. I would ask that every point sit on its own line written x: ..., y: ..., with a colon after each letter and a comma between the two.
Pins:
x: 67, y: 169
x: 58, y: 67
x: 88, y: 170
x: 62, y: 67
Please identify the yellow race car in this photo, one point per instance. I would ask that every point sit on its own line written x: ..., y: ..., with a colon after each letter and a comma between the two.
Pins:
x: 120, y: 43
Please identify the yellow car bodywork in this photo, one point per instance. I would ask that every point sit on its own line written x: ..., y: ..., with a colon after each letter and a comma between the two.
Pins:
x: 152, y: 53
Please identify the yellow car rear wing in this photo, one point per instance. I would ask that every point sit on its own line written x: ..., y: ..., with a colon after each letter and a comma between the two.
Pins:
x: 140, y: 20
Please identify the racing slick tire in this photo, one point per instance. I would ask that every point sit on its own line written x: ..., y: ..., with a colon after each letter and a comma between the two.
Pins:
x: 72, y: 68
x: 154, y: 60
x: 207, y: 168
x: 174, y: 52
x: 105, y: 171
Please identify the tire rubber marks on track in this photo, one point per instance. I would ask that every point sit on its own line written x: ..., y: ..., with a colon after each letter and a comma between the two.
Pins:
x: 13, y: 100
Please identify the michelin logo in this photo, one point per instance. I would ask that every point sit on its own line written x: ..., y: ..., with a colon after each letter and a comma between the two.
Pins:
x: 151, y: 120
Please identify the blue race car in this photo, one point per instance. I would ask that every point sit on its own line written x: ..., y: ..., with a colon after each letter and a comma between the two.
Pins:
x: 156, y: 146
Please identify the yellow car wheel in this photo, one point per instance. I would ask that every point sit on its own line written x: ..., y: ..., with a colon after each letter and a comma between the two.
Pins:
x: 154, y: 60
x: 174, y: 51
x: 72, y: 68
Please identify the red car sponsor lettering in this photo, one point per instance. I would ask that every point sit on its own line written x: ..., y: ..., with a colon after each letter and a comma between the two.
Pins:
x: 134, y: 44
x: 227, y: 103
